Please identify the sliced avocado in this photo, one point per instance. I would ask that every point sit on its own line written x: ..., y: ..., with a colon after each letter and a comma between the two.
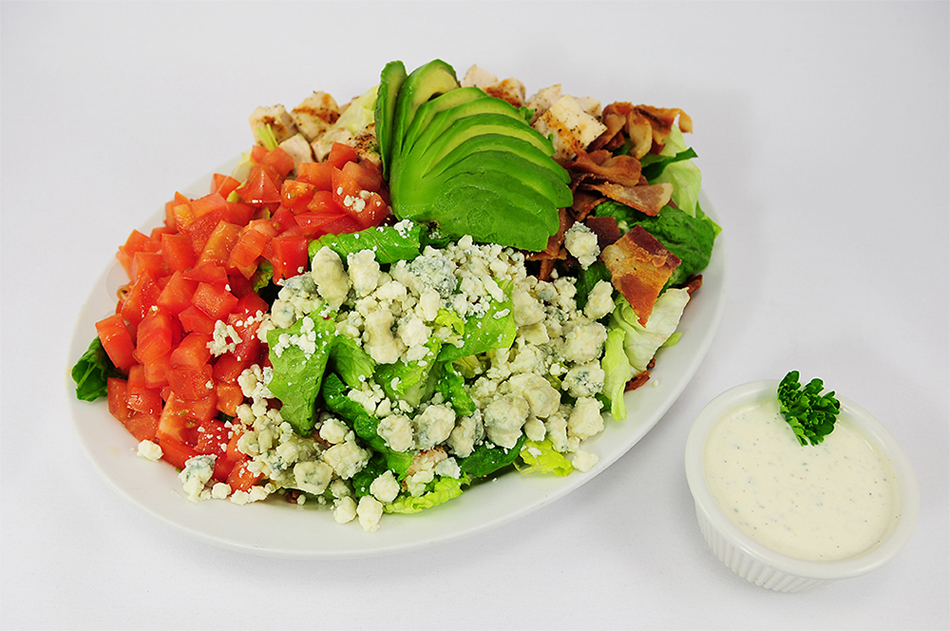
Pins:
x: 423, y: 83
x: 429, y: 109
x: 427, y: 154
x: 542, y: 180
x: 490, y: 215
x: 390, y: 80
x: 441, y: 120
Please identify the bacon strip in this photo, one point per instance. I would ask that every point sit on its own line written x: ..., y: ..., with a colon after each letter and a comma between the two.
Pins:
x: 639, y: 267
x: 647, y: 198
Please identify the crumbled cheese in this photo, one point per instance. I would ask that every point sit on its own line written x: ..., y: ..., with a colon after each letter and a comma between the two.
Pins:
x: 150, y: 451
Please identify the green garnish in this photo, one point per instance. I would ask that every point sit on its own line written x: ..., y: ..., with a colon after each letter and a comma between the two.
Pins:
x: 811, y: 414
x: 92, y: 372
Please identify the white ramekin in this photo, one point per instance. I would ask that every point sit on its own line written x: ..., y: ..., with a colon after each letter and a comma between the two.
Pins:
x: 763, y: 566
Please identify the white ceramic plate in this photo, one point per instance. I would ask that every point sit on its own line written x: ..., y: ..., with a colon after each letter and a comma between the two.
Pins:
x: 277, y: 528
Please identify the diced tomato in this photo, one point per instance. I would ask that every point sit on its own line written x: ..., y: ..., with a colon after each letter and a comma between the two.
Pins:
x: 192, y: 351
x: 262, y: 186
x: 213, y: 437
x: 240, y: 213
x: 142, y: 398
x: 240, y: 286
x: 366, y: 175
x: 201, y: 228
x: 279, y: 160
x: 194, y: 319
x: 175, y: 452
x: 247, y: 250
x: 177, y: 251
x: 217, y: 248
x: 214, y: 301
x: 142, y: 296
x: 117, y: 341
x: 340, y: 154
x: 356, y: 200
x: 295, y: 195
x: 223, y: 184
x: 142, y: 425
x: 118, y: 395
x: 283, y: 219
x: 155, y: 336
x: 177, y: 293
x: 241, y: 477
x: 209, y: 272
x: 156, y: 372
x: 229, y: 398
x: 320, y: 174
x: 136, y: 242
x: 191, y: 383
x: 213, y: 202
x: 324, y: 202
x: 228, y: 368
x: 289, y: 257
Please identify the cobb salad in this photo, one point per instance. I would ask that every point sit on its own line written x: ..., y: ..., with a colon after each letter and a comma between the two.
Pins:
x: 388, y: 302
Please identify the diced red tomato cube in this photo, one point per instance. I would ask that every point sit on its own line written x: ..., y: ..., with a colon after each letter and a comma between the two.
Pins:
x: 155, y: 336
x: 175, y: 452
x: 117, y: 341
x: 210, y: 272
x: 289, y: 256
x: 320, y: 174
x: 117, y: 391
x: 214, y: 301
x: 340, y: 154
x: 295, y: 195
x: 192, y: 351
x: 194, y: 319
x: 262, y: 186
x: 241, y: 477
x: 177, y: 251
x: 217, y: 248
x: 279, y: 160
x: 223, y: 184
x: 230, y: 397
x: 142, y: 296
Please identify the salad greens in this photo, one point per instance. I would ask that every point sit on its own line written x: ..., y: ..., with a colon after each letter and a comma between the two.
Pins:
x: 92, y: 372
x: 810, y: 413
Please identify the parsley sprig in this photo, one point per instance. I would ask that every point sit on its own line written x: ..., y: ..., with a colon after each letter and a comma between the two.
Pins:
x: 811, y: 414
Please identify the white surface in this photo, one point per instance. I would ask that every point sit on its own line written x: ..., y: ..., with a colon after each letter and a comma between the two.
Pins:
x: 276, y: 528
x: 769, y: 565
x: 822, y: 131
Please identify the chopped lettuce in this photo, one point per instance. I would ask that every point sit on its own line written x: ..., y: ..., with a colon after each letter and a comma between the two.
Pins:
x: 452, y: 387
x: 363, y: 423
x: 617, y: 371
x: 489, y: 458
x: 684, y: 175
x: 410, y: 381
x: 640, y: 343
x: 494, y: 329
x: 440, y: 492
x: 299, y: 356
x: 350, y: 361
x: 388, y: 243
x: 541, y: 457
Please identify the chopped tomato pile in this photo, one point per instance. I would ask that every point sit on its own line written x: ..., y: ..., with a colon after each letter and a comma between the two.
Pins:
x: 198, y: 270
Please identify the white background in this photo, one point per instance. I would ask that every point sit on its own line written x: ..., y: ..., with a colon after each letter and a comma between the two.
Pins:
x: 822, y: 131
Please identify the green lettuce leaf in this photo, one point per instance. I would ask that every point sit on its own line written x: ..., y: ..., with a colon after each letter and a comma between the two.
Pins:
x: 494, y: 329
x: 617, y: 371
x: 299, y: 356
x: 410, y: 381
x: 92, y: 372
x: 489, y: 458
x: 388, y: 243
x: 452, y: 387
x: 363, y: 423
x: 541, y: 457
x: 350, y: 361
x: 442, y: 490
x: 640, y: 343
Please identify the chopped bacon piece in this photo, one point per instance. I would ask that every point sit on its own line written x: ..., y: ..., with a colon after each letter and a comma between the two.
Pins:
x: 620, y: 169
x: 605, y: 228
x: 639, y: 268
x: 647, y: 198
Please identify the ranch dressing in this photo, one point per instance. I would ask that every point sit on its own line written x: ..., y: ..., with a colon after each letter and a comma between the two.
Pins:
x: 819, y: 503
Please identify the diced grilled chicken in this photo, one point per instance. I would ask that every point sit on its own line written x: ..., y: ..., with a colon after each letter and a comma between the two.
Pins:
x: 298, y: 148
x: 315, y: 114
x: 570, y: 127
x: 277, y: 117
x: 479, y: 78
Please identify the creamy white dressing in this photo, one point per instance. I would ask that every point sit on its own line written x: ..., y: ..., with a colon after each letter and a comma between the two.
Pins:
x: 820, y: 503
